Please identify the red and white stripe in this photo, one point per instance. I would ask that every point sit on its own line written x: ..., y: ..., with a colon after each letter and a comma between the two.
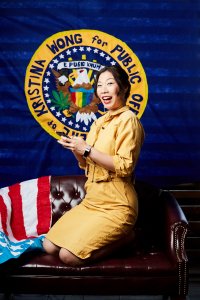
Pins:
x: 25, y: 209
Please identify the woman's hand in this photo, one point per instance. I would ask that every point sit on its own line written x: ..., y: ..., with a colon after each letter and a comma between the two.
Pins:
x: 76, y: 144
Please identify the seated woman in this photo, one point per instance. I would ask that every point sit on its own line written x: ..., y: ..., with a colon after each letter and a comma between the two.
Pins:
x: 105, y: 218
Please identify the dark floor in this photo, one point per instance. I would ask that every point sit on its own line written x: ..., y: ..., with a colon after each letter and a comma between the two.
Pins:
x: 194, y: 294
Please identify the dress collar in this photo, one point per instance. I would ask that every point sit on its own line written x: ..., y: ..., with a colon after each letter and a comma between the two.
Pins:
x: 117, y: 111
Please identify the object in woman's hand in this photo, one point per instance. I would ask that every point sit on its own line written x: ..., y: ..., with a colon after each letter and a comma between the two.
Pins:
x: 61, y: 133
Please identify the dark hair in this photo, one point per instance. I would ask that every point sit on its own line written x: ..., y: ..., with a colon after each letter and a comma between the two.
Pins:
x: 121, y: 78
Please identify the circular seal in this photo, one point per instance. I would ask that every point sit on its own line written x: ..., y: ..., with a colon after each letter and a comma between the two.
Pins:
x: 60, y: 77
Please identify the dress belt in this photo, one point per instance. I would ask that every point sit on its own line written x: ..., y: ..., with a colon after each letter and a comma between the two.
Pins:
x: 124, y: 179
x: 93, y: 177
x: 109, y: 178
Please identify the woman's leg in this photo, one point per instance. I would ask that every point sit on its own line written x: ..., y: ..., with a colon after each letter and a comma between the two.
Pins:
x: 69, y: 258
x: 72, y: 260
x: 111, y: 248
x: 50, y: 247
x: 65, y: 255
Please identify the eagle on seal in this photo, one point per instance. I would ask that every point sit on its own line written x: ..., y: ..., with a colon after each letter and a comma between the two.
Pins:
x: 73, y: 86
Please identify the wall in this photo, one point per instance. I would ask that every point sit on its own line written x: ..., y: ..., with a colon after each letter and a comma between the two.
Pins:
x: 163, y: 34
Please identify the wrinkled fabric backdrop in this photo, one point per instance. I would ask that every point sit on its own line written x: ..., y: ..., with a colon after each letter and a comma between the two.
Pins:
x: 165, y: 37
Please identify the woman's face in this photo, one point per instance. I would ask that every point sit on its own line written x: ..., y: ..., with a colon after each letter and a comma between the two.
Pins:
x: 108, y: 91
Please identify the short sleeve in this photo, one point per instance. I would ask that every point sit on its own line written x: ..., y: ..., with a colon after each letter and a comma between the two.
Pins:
x: 129, y: 139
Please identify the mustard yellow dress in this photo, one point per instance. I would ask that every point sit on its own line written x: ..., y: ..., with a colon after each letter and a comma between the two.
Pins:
x: 109, y: 210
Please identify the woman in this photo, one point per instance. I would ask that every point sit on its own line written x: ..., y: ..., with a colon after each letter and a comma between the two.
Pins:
x: 105, y: 218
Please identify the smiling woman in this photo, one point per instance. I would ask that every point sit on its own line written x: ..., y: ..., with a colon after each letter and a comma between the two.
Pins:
x: 112, y: 91
x: 109, y: 156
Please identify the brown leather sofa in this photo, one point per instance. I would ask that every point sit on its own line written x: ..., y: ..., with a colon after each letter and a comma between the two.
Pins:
x: 155, y: 263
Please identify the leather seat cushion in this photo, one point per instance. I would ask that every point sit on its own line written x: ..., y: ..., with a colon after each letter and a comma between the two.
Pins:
x: 139, y: 264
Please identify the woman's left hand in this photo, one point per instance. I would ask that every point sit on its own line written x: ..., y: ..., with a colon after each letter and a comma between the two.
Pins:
x: 75, y: 144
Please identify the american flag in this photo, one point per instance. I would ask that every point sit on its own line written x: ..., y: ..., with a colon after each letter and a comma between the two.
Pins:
x: 25, y: 215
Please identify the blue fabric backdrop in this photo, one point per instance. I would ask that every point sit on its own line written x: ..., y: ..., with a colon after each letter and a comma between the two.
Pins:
x: 165, y: 37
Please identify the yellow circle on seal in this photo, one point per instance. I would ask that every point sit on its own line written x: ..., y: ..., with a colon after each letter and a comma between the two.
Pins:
x: 60, y: 76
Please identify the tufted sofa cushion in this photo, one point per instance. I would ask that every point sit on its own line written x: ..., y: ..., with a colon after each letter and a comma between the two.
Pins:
x: 66, y: 194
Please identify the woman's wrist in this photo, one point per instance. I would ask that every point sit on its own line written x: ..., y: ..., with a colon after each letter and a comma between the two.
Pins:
x: 87, y: 151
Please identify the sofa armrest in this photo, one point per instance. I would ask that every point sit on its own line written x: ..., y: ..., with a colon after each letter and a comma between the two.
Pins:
x: 176, y: 227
